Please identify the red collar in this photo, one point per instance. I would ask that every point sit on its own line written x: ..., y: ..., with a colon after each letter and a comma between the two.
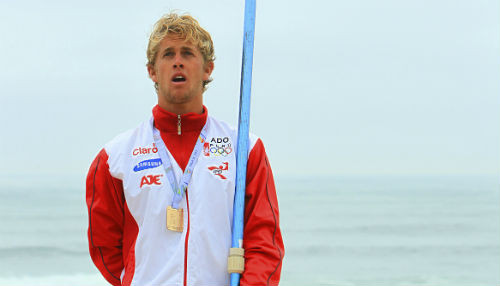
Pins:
x: 168, y: 122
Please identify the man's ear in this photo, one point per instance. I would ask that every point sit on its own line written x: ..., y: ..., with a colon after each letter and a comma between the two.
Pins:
x: 209, y: 67
x: 152, y: 73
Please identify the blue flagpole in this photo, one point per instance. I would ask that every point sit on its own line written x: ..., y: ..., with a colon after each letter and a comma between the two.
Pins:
x: 243, y: 129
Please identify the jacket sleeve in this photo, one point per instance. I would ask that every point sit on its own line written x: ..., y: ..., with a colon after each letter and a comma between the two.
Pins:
x: 262, y: 239
x: 104, y: 196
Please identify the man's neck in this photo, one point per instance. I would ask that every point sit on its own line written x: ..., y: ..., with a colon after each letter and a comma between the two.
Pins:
x: 182, y: 108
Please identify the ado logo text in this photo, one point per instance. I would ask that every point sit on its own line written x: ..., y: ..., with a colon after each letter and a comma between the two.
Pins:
x: 217, y: 147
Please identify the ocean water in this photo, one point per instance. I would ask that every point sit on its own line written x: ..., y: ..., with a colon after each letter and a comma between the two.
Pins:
x: 344, y: 231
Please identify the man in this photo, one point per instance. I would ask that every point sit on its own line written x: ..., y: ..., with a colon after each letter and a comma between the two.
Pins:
x: 145, y: 227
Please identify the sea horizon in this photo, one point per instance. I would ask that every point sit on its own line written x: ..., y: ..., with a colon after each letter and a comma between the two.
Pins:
x: 338, y: 230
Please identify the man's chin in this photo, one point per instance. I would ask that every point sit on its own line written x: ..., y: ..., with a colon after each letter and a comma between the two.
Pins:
x: 180, y: 98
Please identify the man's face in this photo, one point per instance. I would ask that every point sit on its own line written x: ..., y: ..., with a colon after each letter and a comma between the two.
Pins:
x: 179, y: 71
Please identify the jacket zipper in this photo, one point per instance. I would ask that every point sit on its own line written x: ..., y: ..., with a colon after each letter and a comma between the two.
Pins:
x: 186, y: 242
x: 178, y: 124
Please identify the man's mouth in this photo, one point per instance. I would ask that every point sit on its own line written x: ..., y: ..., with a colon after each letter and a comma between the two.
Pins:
x: 179, y: 78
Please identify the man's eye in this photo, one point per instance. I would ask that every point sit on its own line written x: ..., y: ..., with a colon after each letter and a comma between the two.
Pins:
x: 188, y: 53
x: 168, y: 54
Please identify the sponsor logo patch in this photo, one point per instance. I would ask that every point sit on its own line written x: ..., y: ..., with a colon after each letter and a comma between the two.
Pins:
x: 144, y: 150
x: 217, y: 146
x: 147, y: 164
x: 151, y: 180
x: 217, y: 171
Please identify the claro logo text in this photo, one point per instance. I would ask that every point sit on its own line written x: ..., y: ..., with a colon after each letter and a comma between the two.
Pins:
x: 144, y: 150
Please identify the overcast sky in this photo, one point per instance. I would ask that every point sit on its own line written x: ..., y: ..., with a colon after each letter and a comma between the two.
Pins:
x: 339, y: 87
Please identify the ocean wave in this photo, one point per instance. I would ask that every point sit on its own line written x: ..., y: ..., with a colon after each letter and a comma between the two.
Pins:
x: 55, y: 280
x: 39, y: 251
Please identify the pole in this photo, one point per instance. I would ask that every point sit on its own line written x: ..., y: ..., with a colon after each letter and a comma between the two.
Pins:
x: 243, y: 129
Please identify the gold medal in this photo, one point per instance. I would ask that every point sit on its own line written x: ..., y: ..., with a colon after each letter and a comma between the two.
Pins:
x: 175, y: 219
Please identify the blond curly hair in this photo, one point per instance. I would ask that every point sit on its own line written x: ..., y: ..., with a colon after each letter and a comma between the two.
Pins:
x: 184, y: 26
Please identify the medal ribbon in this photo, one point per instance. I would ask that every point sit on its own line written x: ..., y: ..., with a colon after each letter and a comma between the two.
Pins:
x: 179, y: 188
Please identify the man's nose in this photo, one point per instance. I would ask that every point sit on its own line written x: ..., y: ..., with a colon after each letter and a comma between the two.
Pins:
x: 178, y: 62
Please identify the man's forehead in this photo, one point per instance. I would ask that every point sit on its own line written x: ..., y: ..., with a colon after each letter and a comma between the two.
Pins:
x: 176, y: 40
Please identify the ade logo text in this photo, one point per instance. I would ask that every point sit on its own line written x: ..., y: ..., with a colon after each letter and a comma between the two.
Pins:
x: 151, y: 180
